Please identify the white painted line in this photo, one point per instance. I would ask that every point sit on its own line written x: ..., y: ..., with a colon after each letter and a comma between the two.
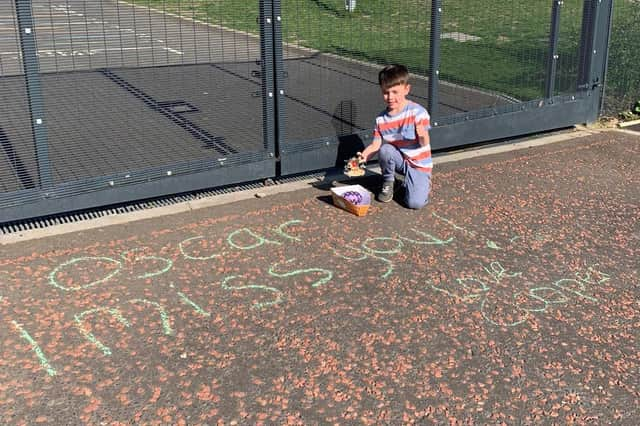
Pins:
x: 172, y: 50
x: 80, y: 36
x: 80, y: 52
x: 49, y: 16
x: 62, y: 24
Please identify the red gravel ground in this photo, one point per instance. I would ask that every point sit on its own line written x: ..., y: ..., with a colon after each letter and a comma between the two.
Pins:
x: 513, y: 298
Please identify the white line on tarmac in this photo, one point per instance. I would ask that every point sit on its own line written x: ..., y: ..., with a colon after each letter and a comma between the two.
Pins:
x: 80, y: 52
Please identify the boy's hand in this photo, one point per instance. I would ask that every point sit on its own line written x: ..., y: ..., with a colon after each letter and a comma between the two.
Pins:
x: 355, y: 165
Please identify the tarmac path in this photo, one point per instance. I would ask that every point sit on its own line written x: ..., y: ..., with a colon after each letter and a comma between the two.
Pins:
x: 513, y: 297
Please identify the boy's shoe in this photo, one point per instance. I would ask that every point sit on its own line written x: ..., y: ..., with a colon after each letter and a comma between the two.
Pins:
x: 386, y: 193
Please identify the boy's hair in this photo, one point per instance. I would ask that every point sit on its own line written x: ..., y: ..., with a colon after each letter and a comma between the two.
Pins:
x: 392, y: 75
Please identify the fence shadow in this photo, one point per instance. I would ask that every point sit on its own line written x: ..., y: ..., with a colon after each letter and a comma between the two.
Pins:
x: 20, y: 170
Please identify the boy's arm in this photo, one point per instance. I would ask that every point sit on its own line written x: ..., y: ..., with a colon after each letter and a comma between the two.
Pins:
x: 370, y: 150
x: 423, y: 136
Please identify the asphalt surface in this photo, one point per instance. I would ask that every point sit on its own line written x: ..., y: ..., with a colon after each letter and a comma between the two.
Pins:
x: 512, y: 298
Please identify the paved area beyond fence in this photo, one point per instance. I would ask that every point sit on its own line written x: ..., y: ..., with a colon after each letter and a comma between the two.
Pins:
x: 512, y: 298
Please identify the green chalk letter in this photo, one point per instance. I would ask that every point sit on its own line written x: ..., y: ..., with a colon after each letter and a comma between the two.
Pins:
x: 89, y: 336
x: 53, y: 279
x: 278, y: 293
x: 187, y: 256
x: 259, y: 240
x: 328, y: 274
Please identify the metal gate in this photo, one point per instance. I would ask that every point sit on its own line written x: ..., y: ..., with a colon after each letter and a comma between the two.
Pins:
x: 485, y: 70
x: 108, y: 101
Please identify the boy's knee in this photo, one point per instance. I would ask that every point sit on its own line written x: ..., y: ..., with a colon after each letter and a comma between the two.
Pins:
x: 416, y: 200
x: 415, y: 204
x: 386, y: 150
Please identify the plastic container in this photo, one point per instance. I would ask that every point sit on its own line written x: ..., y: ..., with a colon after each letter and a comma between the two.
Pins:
x: 339, y: 200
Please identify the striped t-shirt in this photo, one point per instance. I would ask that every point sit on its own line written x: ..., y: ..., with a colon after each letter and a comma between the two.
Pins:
x: 400, y: 131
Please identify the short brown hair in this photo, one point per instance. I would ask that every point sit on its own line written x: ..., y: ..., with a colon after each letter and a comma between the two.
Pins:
x: 392, y: 75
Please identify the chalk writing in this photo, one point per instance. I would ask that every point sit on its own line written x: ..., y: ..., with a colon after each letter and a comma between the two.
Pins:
x: 258, y: 305
x: 53, y: 276
x: 191, y: 303
x: 453, y: 225
x: 328, y: 274
x: 44, y: 362
x: 168, y: 263
x: 366, y: 255
x: 472, y: 289
x: 567, y: 284
x: 241, y: 239
x: 125, y: 256
x: 279, y: 229
x: 190, y: 257
x: 482, y: 290
x: 163, y: 314
x: 258, y: 240
x: 79, y: 318
x: 389, y: 246
x: 497, y: 272
x: 117, y: 314
x: 431, y: 240
x: 490, y: 243
x: 493, y: 245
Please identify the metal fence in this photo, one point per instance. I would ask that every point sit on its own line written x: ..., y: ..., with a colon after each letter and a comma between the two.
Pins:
x: 623, y: 75
x: 107, y: 101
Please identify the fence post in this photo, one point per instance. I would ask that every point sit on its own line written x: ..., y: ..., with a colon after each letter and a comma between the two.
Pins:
x: 596, y: 25
x: 434, y: 57
x: 552, y: 64
x: 279, y: 84
x: 587, y: 35
x: 268, y: 76
x: 28, y: 47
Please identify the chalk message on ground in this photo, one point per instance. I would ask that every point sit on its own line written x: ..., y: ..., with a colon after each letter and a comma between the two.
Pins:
x: 330, y: 261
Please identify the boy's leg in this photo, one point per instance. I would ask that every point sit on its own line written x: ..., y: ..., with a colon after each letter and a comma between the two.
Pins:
x: 417, y: 185
x: 391, y: 161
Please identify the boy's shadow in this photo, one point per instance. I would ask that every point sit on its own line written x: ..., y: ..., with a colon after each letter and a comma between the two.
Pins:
x: 344, y: 121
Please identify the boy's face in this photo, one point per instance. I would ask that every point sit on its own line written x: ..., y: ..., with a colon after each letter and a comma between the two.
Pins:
x: 395, y: 96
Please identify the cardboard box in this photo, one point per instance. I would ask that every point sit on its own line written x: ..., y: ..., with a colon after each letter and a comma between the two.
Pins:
x: 360, y: 209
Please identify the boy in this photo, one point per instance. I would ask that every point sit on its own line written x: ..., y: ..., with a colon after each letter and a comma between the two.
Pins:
x: 401, y: 139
